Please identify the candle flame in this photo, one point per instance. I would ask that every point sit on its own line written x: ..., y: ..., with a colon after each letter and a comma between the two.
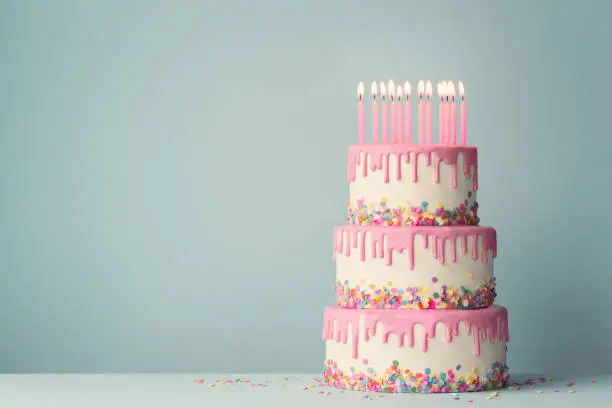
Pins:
x: 373, y: 90
x: 360, y: 90
x: 461, y: 90
x: 451, y: 89
x: 428, y: 89
x: 383, y: 90
x: 421, y: 88
x: 407, y: 90
x: 391, y: 89
x: 399, y: 92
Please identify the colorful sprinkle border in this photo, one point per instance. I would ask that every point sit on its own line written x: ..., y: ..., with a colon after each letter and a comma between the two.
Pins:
x: 372, y: 297
x: 411, y: 216
x: 395, y: 380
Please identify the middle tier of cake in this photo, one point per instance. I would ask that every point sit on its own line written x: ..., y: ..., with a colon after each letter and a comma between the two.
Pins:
x: 415, y: 268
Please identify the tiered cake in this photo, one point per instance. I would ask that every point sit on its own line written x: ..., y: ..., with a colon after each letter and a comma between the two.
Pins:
x: 414, y: 270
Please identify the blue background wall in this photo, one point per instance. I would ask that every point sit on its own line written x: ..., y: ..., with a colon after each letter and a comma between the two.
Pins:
x: 170, y: 174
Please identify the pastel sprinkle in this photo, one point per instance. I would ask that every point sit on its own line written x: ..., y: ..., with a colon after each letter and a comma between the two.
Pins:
x: 374, y: 297
x: 365, y: 361
x: 406, y: 215
x: 397, y: 380
x: 569, y: 384
x: 571, y: 391
x: 434, y: 279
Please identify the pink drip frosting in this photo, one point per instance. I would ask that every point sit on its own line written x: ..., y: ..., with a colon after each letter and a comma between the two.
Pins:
x: 489, y: 323
x: 377, y: 156
x: 402, y: 239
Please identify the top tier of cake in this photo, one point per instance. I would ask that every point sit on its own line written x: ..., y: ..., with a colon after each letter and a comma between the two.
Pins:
x: 400, y: 180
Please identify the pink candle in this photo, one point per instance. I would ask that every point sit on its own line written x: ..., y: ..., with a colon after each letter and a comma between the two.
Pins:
x: 407, y: 113
x: 421, y: 112
x: 392, y: 118
x: 374, y: 115
x: 398, y: 114
x: 360, y: 120
x: 428, y: 92
x: 453, y: 114
x: 462, y: 114
x: 385, y: 112
x: 446, y: 119
x: 440, y: 114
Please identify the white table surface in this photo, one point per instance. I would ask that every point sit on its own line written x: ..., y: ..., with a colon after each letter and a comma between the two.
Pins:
x: 266, y: 390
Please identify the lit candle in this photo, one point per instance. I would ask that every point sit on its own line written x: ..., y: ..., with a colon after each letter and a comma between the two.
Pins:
x: 446, y: 110
x: 360, y: 119
x: 462, y: 113
x: 385, y: 111
x: 398, y: 115
x: 392, y: 118
x: 421, y: 112
x: 428, y: 92
x: 374, y: 115
x: 407, y: 113
x: 440, y: 115
x: 453, y: 114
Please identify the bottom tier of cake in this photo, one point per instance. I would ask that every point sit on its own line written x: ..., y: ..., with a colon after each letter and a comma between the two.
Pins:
x: 425, y: 351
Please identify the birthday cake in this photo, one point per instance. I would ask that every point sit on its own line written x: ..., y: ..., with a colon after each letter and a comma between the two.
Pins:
x: 415, y: 285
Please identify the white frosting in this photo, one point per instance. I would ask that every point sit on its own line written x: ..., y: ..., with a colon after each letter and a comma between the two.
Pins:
x: 464, y: 272
x: 440, y: 356
x: 372, y: 187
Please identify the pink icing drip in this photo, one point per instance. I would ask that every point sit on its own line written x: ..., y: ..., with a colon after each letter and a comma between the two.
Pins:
x: 379, y: 157
x: 415, y: 165
x: 347, y: 246
x: 363, y: 238
x: 454, y: 250
x: 386, y: 166
x: 398, y: 168
x: 386, y: 240
x: 437, y: 160
x: 489, y: 323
